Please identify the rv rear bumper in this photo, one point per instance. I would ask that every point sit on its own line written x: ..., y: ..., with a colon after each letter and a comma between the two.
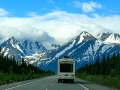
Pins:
x: 66, y: 77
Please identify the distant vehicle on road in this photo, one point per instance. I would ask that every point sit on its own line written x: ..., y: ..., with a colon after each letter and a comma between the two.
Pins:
x: 66, y: 69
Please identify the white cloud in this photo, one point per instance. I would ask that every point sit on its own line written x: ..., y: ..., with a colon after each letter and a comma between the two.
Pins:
x: 25, y: 32
x: 87, y: 7
x: 3, y: 12
x: 56, y: 25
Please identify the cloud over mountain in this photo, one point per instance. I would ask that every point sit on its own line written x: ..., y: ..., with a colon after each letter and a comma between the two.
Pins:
x: 24, y: 32
x: 56, y: 26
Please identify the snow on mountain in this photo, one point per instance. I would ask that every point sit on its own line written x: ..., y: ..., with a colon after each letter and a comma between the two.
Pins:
x: 82, y: 37
x: 35, y: 58
x: 84, y: 48
x: 50, y: 46
x: 21, y: 48
x: 109, y: 37
x: 67, y: 46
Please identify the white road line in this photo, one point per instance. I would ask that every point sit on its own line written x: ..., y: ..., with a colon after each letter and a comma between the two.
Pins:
x: 26, y: 84
x: 82, y: 85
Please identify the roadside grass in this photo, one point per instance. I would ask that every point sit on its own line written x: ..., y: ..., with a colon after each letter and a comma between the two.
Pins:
x: 14, y: 78
x: 113, y: 82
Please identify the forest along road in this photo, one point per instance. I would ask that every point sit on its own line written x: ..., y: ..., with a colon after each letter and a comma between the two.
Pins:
x: 51, y: 83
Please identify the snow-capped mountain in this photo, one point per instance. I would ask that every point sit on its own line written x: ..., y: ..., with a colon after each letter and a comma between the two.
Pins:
x: 83, y: 48
x: 109, y: 37
x: 84, y: 36
x: 21, y: 48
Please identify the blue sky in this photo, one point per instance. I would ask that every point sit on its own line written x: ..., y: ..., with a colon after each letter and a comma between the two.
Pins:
x: 21, y: 8
x: 46, y: 18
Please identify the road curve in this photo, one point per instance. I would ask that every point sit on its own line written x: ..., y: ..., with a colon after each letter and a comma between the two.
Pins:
x: 50, y: 83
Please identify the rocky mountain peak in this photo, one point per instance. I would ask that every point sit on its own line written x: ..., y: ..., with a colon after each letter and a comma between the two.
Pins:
x: 83, y: 36
x: 86, y: 36
x: 109, y: 37
x: 103, y: 36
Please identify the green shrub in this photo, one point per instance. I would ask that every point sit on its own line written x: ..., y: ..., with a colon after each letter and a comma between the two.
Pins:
x: 113, y: 82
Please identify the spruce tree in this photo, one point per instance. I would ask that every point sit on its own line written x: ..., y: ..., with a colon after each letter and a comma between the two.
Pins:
x: 97, y: 66
x: 117, y: 67
x: 108, y: 65
x: 103, y: 65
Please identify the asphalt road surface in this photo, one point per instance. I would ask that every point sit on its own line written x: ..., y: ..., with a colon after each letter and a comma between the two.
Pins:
x: 50, y: 83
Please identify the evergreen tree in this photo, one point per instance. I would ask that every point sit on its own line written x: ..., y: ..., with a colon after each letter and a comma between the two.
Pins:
x: 103, y: 64
x: 11, y: 66
x: 108, y: 65
x: 117, y: 67
x: 97, y: 66
x: 10, y: 69
x: 90, y: 68
x: 113, y: 61
x: 1, y: 61
x: 0, y: 49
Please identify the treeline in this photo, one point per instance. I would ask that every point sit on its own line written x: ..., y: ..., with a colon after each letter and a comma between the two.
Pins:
x: 10, y: 65
x: 107, y: 66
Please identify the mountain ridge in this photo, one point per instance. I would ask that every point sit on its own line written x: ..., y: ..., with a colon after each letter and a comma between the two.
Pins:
x: 83, y: 48
x: 20, y: 48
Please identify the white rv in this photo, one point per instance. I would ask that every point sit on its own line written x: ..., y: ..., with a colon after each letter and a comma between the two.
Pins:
x: 66, y: 69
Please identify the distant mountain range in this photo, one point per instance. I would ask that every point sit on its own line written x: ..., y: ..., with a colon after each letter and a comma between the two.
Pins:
x: 21, y: 48
x: 84, y: 48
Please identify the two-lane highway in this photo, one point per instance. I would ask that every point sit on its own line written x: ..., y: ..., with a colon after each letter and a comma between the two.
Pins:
x: 50, y: 83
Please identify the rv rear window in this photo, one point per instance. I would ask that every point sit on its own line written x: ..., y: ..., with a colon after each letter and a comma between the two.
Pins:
x: 66, y: 67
